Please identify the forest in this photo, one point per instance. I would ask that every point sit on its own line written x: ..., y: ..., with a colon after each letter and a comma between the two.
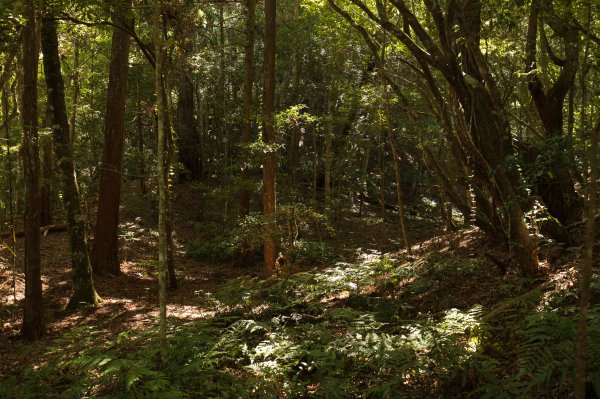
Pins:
x: 299, y: 199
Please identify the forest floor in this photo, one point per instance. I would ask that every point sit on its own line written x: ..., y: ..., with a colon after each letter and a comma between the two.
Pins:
x: 130, y: 301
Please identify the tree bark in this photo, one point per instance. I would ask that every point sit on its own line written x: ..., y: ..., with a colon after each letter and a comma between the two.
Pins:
x: 585, y: 275
x: 269, y: 163
x: 46, y: 189
x: 139, y: 125
x: 76, y: 90
x: 105, y: 249
x: 83, y: 285
x: 33, y: 322
x: 162, y: 183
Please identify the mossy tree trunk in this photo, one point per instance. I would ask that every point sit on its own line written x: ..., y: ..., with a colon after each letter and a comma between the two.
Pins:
x: 83, y: 285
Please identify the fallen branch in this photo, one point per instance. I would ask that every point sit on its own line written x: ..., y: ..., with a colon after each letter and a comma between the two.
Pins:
x: 512, y: 302
x: 51, y: 228
x: 581, y: 223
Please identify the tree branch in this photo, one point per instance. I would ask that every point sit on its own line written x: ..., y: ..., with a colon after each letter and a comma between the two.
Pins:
x: 144, y: 48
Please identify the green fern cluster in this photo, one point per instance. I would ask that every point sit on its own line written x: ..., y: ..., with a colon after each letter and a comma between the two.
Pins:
x: 334, y: 333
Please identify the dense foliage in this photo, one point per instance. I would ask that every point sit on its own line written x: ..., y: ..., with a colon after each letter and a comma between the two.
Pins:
x: 385, y: 124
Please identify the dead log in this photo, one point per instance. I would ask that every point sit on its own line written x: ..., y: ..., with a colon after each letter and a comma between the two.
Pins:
x: 44, y: 230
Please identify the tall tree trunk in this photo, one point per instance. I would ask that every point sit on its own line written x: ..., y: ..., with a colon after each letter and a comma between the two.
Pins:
x: 46, y: 189
x: 169, y: 160
x: 105, y: 249
x: 222, y: 134
x: 188, y: 139
x: 328, y: 150
x: 390, y: 137
x: 315, y: 166
x: 585, y: 275
x: 381, y: 171
x: 33, y: 323
x: 296, y: 132
x: 162, y: 183
x: 76, y: 90
x: 269, y: 163
x: 139, y: 124
x: 397, y: 172
x: 83, y: 285
x: 248, y: 108
x: 8, y: 167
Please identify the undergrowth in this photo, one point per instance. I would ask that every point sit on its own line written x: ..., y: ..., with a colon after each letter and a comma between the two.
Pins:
x: 340, y: 332
x: 299, y: 232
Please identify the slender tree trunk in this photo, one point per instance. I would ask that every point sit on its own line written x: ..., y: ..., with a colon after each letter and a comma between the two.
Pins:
x: 364, y: 170
x: 399, y: 198
x: 170, y: 159
x: 139, y: 123
x: 296, y: 133
x: 33, y: 323
x: 248, y: 108
x: 269, y: 163
x: 8, y: 167
x: 105, y: 249
x: 221, y: 95
x: 83, y: 285
x: 187, y: 133
x: 76, y: 91
x: 585, y: 275
x: 46, y: 189
x: 390, y: 137
x: 328, y: 150
x: 162, y: 184
x: 315, y: 168
x: 381, y: 171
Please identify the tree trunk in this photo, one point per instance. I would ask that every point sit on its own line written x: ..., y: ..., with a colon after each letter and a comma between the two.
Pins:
x: 296, y: 132
x: 162, y: 183
x: 83, y: 285
x: 395, y: 156
x: 585, y: 275
x: 269, y: 163
x: 105, y: 249
x: 8, y: 167
x: 139, y: 124
x: 328, y: 150
x: 47, y: 172
x: 33, y: 323
x: 46, y: 189
x: 169, y: 159
x: 555, y: 183
x: 189, y: 141
x: 248, y: 107
x: 76, y: 91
